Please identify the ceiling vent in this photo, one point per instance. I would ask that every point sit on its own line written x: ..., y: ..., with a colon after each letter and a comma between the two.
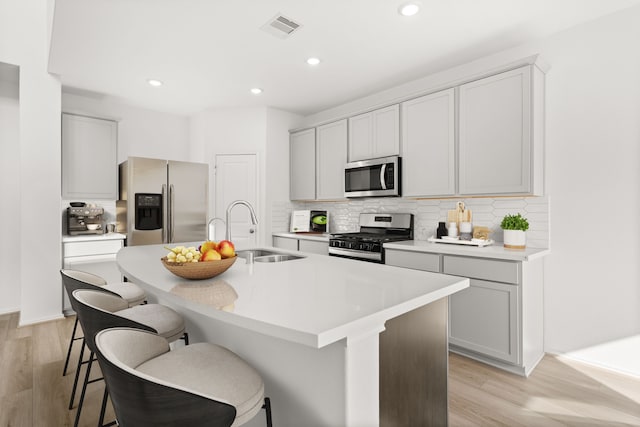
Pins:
x: 281, y: 26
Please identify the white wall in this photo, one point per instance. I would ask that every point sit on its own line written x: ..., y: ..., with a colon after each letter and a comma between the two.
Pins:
x: 9, y: 191
x: 592, y: 277
x: 141, y: 132
x: 263, y: 131
x: 24, y: 42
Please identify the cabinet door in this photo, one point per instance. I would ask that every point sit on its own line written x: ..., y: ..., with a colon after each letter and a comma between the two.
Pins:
x: 484, y: 318
x: 495, y: 134
x: 428, y: 145
x: 386, y: 131
x: 360, y: 137
x: 331, y: 157
x: 89, y: 158
x: 285, y: 243
x: 313, y: 246
x: 303, y: 165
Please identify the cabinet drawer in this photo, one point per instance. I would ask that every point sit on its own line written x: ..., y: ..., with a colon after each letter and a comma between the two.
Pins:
x: 73, y: 249
x: 414, y: 260
x: 314, y: 247
x: 477, y: 268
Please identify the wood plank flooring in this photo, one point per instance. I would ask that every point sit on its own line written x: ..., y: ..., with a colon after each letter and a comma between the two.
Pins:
x: 558, y: 393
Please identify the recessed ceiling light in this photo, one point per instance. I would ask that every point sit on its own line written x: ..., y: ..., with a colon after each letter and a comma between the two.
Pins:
x: 409, y: 9
x: 256, y: 91
x: 154, y: 82
x: 313, y: 61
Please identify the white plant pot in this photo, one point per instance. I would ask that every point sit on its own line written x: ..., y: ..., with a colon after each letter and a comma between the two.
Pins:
x: 515, y: 239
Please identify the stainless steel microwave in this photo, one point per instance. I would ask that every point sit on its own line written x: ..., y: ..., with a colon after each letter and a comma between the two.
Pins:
x: 373, y: 178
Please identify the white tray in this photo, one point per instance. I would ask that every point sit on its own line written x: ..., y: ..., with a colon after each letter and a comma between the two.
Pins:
x: 478, y: 243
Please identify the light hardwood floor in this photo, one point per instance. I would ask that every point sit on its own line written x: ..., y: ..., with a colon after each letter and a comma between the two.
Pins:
x: 558, y: 393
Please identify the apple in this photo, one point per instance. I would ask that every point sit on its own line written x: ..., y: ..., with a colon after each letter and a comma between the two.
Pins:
x: 226, y: 249
x: 207, y: 246
x: 210, y: 255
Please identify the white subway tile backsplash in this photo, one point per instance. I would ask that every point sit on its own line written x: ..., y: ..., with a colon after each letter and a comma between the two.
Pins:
x: 487, y: 211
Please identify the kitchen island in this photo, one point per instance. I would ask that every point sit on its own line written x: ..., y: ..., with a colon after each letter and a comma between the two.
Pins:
x: 339, y: 342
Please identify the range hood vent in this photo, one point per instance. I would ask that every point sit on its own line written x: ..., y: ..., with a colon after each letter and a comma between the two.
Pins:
x: 280, y: 26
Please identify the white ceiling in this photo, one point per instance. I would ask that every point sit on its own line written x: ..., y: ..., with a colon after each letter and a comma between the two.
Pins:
x: 209, y: 53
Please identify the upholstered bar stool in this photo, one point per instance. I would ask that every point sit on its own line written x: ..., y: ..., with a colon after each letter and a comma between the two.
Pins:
x: 98, y: 310
x: 75, y: 279
x: 199, y: 385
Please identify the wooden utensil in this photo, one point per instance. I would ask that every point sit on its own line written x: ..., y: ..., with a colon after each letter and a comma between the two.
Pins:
x: 459, y: 214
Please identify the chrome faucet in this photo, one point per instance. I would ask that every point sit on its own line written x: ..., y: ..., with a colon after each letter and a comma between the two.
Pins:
x: 211, y: 235
x: 252, y: 213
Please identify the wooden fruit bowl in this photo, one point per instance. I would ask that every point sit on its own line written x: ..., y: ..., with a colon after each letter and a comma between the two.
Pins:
x: 198, y: 270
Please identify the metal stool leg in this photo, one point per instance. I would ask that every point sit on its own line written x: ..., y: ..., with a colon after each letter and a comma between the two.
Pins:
x: 73, y: 338
x: 75, y: 381
x: 84, y: 390
x: 267, y: 410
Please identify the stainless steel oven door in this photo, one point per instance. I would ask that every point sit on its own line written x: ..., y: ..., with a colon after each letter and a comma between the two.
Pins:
x: 372, y: 178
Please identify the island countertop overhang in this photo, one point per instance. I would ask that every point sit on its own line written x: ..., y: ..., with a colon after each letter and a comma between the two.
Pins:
x: 314, y: 301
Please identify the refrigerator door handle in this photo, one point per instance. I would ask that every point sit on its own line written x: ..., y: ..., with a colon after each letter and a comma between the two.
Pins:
x: 171, y: 210
x: 165, y: 221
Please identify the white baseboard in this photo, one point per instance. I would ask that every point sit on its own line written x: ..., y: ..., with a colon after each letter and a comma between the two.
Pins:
x: 589, y: 362
x: 40, y: 320
x: 9, y: 310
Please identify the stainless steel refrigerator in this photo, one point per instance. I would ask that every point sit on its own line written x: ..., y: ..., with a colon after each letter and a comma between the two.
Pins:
x: 162, y: 201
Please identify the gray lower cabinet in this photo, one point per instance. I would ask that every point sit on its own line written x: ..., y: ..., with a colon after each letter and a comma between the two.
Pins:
x: 499, y: 318
x: 302, y: 245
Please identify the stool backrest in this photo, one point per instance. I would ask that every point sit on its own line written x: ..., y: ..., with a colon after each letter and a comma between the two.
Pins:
x: 97, y: 310
x: 75, y: 279
x: 137, y: 398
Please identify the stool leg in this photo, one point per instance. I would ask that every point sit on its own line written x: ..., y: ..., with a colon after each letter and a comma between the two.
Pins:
x: 75, y: 381
x: 73, y: 338
x: 267, y: 410
x: 103, y: 408
x: 84, y: 390
x: 185, y: 337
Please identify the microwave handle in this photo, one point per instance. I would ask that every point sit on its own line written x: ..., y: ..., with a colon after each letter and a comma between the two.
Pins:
x: 383, y: 180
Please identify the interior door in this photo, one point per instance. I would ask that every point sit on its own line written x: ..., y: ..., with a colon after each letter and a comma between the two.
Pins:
x: 236, y: 179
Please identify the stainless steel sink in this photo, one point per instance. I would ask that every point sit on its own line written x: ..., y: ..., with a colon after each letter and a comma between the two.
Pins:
x: 265, y: 255
x: 246, y: 253
x: 277, y: 258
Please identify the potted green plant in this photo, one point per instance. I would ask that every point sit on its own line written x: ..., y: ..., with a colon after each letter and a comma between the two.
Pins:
x: 514, y: 227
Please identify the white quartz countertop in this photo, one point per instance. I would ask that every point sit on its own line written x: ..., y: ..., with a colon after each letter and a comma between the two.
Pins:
x: 495, y: 251
x: 324, y: 237
x: 93, y: 237
x: 314, y: 301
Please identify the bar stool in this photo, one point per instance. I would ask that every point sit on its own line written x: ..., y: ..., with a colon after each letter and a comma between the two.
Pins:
x: 202, y: 384
x: 98, y: 310
x: 75, y: 279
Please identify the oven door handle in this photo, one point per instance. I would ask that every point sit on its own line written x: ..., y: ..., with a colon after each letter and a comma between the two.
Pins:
x: 383, y: 180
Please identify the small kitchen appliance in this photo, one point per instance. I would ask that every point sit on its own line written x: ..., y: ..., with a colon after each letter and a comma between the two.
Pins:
x: 375, y: 230
x: 373, y: 178
x: 84, y: 220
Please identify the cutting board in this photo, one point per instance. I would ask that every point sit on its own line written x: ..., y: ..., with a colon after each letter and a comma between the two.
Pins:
x: 459, y: 214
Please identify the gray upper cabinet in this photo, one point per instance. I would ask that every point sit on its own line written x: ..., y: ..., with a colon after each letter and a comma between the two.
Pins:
x: 428, y: 145
x: 89, y: 158
x: 500, y: 134
x: 375, y: 134
x: 331, y: 157
x: 303, y: 165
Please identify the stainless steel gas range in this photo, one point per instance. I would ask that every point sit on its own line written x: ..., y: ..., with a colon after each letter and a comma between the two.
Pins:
x: 375, y: 230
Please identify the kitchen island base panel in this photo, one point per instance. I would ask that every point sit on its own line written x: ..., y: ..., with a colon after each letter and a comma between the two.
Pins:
x: 413, y: 368
x: 307, y: 386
